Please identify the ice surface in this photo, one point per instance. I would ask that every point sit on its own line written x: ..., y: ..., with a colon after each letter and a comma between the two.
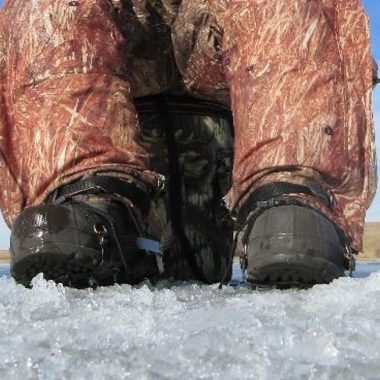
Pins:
x: 191, y: 331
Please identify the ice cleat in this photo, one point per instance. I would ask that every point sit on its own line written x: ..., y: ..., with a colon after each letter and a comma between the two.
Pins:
x: 87, y: 234
x: 289, y: 244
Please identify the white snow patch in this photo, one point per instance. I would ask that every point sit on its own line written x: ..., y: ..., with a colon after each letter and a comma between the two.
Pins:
x: 191, y: 331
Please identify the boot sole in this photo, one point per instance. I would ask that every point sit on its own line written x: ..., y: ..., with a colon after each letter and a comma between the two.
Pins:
x: 286, y: 271
x: 71, y: 266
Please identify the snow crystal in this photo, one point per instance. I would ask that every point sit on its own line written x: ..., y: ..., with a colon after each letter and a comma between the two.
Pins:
x: 191, y: 331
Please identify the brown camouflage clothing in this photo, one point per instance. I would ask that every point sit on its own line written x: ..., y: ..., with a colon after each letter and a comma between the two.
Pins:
x: 297, y: 74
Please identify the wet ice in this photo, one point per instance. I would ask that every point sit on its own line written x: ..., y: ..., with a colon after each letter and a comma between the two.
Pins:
x: 191, y: 331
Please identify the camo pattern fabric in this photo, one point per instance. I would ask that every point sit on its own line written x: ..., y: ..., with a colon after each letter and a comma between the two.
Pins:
x: 297, y: 75
x: 190, y: 143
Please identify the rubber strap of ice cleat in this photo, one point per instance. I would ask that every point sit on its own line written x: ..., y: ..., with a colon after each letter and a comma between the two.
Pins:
x: 103, y: 184
x: 262, y: 196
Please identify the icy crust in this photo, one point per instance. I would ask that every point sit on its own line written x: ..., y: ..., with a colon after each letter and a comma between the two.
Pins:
x: 190, y: 332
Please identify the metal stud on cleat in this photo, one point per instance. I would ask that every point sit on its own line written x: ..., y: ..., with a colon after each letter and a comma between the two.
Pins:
x: 92, y: 283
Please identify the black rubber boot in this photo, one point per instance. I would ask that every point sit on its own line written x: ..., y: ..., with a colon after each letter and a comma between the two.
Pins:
x: 87, y: 236
x: 289, y: 244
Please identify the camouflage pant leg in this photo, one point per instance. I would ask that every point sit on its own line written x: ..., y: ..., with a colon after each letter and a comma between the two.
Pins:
x: 11, y: 193
x: 300, y: 77
x: 67, y: 108
x: 190, y: 142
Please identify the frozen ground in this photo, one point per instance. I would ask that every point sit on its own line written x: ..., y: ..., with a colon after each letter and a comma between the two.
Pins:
x: 191, y: 332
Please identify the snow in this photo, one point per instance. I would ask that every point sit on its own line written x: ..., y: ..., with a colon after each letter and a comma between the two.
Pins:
x: 191, y: 331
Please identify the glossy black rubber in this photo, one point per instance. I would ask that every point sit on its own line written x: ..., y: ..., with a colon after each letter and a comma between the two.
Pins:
x: 62, y: 241
x: 291, y: 245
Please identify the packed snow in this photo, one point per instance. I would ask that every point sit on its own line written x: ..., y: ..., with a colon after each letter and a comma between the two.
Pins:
x: 190, y: 331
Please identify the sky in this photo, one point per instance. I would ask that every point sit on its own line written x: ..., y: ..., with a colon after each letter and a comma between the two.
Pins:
x: 373, y: 214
